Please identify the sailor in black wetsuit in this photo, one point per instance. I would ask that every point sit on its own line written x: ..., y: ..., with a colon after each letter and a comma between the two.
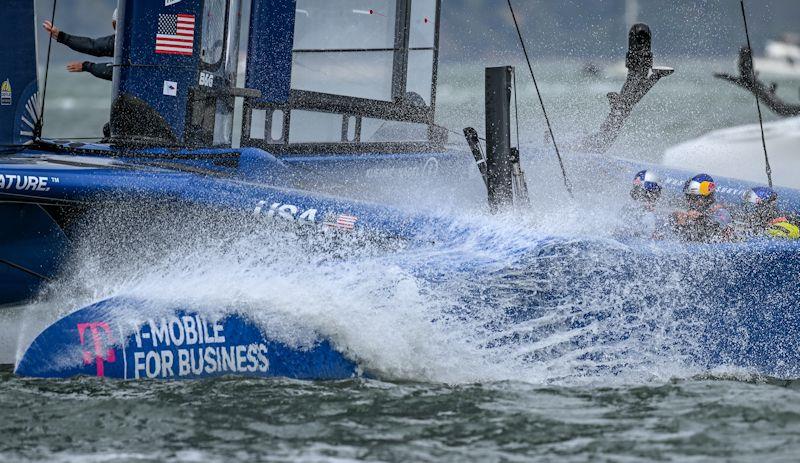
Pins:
x: 101, y: 47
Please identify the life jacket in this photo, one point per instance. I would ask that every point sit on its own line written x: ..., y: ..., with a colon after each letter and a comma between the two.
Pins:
x: 782, y: 228
x: 712, y: 224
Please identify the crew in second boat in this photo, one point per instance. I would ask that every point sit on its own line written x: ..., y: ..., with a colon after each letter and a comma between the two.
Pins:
x: 703, y: 220
x: 100, y: 47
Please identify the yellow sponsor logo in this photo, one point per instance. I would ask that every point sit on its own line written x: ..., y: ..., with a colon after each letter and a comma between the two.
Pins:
x: 784, y: 230
x: 5, y: 93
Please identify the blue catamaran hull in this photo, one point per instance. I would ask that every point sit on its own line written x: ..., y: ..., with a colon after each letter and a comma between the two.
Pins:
x: 733, y: 306
x: 322, y: 125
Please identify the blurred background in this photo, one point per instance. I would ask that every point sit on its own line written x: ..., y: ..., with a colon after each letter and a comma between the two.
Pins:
x: 697, y: 37
x: 482, y: 29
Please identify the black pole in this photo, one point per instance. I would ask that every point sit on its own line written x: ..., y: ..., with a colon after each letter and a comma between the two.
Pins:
x: 498, y: 136
x: 473, y: 140
x: 758, y: 103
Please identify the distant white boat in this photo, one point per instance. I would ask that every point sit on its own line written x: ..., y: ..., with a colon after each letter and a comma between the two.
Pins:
x: 737, y: 152
x: 782, y: 57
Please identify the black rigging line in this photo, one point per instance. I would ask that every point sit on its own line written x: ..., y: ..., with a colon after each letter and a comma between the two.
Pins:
x: 516, y: 107
x: 37, y: 132
x: 541, y: 101
x: 758, y: 103
x: 24, y: 270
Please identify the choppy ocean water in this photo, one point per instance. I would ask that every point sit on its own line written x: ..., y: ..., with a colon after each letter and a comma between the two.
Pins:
x: 233, y: 420
x: 441, y: 404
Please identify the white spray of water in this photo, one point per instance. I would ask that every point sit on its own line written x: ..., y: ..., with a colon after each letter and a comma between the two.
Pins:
x: 504, y: 302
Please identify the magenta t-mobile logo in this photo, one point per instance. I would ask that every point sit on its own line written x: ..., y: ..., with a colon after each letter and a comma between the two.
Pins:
x: 100, y: 354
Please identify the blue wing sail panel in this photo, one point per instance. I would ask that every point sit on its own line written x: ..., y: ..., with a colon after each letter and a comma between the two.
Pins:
x: 19, y: 105
x: 269, y: 57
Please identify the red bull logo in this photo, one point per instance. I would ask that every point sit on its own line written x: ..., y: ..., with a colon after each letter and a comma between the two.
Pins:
x: 700, y: 188
x: 101, y: 338
x: 706, y: 188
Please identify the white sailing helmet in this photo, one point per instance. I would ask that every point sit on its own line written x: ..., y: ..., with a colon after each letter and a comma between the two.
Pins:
x: 114, y: 16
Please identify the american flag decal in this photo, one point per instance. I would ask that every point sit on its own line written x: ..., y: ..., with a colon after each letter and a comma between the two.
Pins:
x: 175, y: 34
x: 341, y: 221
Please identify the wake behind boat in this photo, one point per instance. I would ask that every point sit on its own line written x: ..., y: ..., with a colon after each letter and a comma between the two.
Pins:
x: 321, y: 108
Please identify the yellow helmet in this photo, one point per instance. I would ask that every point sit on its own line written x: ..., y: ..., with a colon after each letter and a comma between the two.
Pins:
x: 784, y: 230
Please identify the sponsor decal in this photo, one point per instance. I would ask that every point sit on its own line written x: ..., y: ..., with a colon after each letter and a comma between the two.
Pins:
x: 97, y: 336
x: 707, y: 188
x: 29, y: 119
x: 431, y: 166
x: 736, y: 191
x: 171, y: 2
x: 340, y: 221
x: 26, y: 182
x: 5, y: 93
x: 292, y: 213
x: 170, y: 88
x: 173, y: 347
x: 176, y: 344
x: 206, y: 79
x: 189, y: 346
x: 724, y: 190
x: 288, y: 212
x: 175, y: 34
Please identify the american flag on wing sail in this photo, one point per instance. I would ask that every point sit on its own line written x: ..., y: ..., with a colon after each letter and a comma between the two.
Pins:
x: 175, y: 34
x: 341, y: 221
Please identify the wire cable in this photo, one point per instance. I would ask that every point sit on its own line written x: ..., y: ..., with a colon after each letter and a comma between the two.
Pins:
x: 37, y: 132
x: 516, y: 106
x: 758, y: 103
x: 24, y: 270
x: 567, y: 183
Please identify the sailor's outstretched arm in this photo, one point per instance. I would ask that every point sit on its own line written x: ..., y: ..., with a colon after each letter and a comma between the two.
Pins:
x: 103, y: 71
x: 104, y: 46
